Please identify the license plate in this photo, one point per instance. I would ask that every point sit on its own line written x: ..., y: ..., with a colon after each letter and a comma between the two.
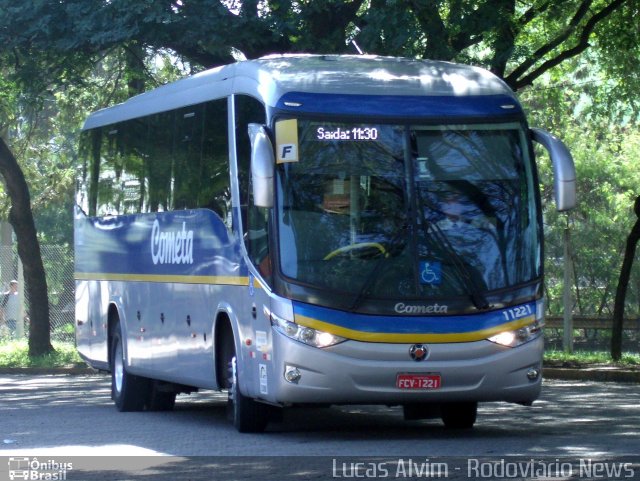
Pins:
x: 418, y: 381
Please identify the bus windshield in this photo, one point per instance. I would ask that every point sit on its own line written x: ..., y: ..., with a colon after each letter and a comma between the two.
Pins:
x: 406, y: 212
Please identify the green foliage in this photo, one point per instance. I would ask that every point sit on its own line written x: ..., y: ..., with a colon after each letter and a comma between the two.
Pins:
x: 608, y: 182
x: 15, y: 353
x: 58, y: 41
x: 590, y: 357
x: 62, y: 60
x: 618, y: 43
x: 605, y: 143
x: 44, y: 132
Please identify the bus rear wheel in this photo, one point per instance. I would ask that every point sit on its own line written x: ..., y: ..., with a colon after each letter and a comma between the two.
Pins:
x: 247, y: 415
x: 129, y: 392
x: 459, y: 415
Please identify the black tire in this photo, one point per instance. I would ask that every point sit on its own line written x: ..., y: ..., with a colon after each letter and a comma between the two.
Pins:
x: 129, y: 392
x: 459, y: 415
x: 246, y: 414
x: 161, y: 397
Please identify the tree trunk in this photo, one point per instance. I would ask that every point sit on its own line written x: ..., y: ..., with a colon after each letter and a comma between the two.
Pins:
x: 21, y: 218
x: 623, y: 282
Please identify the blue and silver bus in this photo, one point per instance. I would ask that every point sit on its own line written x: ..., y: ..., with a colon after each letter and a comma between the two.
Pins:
x: 316, y: 230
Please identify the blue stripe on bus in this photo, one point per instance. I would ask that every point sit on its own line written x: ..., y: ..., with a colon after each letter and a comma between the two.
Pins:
x: 407, y: 324
x: 180, y: 243
x: 393, y: 106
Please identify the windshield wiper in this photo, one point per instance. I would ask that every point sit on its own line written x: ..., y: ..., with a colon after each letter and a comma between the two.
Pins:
x: 468, y: 276
x: 368, y: 283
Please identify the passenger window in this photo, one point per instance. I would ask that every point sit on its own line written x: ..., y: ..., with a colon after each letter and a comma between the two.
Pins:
x: 165, y: 161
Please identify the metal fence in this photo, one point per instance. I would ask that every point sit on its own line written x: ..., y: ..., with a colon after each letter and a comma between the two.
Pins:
x: 59, y: 267
x: 58, y: 264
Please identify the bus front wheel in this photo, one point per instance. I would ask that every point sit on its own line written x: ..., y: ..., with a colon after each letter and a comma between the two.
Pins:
x: 247, y: 415
x: 129, y: 392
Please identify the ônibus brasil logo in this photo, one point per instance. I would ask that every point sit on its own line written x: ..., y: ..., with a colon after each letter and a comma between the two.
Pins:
x: 33, y: 469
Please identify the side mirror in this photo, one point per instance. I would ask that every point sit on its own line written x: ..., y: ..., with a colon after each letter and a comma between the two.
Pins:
x: 564, y: 171
x: 262, y: 166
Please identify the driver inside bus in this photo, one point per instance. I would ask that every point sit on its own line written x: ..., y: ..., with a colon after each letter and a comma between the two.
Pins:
x: 469, y: 232
x: 456, y: 211
x: 337, y: 196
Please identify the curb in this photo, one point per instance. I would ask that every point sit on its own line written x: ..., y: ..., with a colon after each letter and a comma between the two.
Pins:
x: 599, y: 374
x: 46, y: 371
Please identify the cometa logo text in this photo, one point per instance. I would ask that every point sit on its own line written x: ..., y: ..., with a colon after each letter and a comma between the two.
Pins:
x: 402, y: 308
x: 171, y: 247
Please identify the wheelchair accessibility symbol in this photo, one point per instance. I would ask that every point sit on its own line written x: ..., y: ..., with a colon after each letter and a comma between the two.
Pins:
x: 430, y: 272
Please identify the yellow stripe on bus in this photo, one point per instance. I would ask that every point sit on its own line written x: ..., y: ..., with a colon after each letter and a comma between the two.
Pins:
x: 223, y: 280
x: 412, y: 338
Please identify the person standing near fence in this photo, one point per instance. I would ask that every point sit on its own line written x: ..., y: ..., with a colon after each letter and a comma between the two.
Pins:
x: 11, y: 307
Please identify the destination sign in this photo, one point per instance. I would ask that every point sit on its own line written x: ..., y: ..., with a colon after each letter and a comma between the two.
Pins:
x: 347, y: 133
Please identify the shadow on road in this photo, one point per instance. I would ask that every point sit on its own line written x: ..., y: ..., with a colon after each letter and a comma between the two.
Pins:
x: 75, y: 415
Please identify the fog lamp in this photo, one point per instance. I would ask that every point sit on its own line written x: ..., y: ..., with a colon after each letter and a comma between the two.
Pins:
x: 292, y: 374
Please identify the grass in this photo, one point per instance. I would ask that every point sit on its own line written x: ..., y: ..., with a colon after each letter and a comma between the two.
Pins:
x: 15, y: 353
x: 581, y: 358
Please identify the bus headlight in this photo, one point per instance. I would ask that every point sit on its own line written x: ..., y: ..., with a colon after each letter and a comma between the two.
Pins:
x: 304, y: 334
x: 519, y: 336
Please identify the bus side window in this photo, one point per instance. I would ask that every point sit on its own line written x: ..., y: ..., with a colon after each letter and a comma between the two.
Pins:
x: 133, y: 194
x: 114, y: 178
x: 254, y: 219
x: 159, y: 161
x: 167, y: 161
x: 215, y: 188
x: 87, y: 181
x: 187, y: 156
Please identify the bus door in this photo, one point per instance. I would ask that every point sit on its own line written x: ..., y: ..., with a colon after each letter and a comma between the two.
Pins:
x: 259, y: 330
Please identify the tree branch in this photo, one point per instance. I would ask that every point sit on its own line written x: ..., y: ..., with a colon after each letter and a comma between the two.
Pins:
x: 504, y: 37
x: 531, y: 14
x: 623, y: 282
x: 21, y: 218
x: 554, y: 43
x: 474, y: 24
x: 329, y: 23
x: 583, y: 44
x: 438, y: 45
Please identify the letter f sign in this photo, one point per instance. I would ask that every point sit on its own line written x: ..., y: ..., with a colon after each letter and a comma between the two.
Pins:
x: 287, y: 153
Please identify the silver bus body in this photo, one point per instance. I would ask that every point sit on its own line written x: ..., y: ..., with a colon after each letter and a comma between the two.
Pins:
x: 180, y: 284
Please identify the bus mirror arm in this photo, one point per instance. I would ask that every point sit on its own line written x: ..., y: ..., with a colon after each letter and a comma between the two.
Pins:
x: 564, y: 171
x: 262, y: 166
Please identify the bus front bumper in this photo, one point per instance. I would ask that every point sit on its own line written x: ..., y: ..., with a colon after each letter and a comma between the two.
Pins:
x: 367, y: 373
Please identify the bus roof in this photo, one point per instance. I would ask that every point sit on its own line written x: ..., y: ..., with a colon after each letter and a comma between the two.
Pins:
x: 272, y: 77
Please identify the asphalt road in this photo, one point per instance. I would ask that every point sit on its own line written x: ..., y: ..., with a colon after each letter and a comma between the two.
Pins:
x: 60, y: 416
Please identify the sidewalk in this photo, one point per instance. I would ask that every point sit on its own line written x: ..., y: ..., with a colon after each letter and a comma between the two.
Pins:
x: 598, y: 373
